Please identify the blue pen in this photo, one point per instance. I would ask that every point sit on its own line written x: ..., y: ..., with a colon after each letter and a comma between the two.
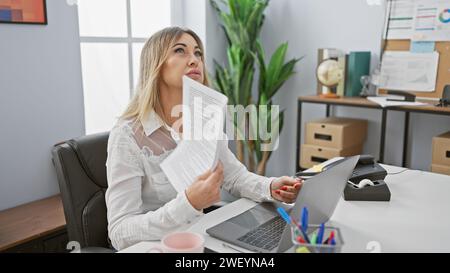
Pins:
x: 305, y: 219
x: 333, y: 241
x: 288, y: 220
x: 320, y: 234
x: 286, y: 216
x: 304, y: 227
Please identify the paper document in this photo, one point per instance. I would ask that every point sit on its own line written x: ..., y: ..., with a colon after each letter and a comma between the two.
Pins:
x: 199, y: 150
x: 401, y: 19
x: 432, y: 21
x: 382, y: 100
x: 190, y: 159
x: 402, y: 70
x: 204, y: 111
x: 422, y: 46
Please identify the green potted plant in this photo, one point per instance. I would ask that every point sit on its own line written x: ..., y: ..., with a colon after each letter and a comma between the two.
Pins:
x: 242, y: 21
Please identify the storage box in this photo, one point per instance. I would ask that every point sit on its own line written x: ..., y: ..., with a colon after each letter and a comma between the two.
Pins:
x: 440, y: 169
x: 441, y: 150
x: 312, y: 155
x: 334, y: 132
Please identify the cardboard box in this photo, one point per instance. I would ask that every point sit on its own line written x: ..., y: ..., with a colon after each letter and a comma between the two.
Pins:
x: 441, y: 149
x: 312, y: 155
x: 334, y: 132
x: 440, y: 169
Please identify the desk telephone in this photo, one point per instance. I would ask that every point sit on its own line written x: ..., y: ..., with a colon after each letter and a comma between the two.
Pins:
x: 366, y: 168
x: 366, y: 182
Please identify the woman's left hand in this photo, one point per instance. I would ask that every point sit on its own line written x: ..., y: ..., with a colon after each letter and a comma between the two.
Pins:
x: 286, y: 188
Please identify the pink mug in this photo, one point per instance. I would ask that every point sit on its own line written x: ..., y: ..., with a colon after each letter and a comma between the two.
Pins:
x: 180, y: 242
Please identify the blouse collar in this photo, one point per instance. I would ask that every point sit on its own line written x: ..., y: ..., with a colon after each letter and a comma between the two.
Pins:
x: 154, y: 122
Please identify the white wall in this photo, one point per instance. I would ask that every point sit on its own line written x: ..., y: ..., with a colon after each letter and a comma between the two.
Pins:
x: 41, y: 101
x: 194, y: 17
x: 199, y: 16
x: 349, y: 25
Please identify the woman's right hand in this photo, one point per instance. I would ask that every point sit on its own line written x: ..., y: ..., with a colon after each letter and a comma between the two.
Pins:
x: 205, y: 191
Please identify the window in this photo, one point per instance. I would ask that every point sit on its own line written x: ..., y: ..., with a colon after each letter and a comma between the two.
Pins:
x: 112, y: 34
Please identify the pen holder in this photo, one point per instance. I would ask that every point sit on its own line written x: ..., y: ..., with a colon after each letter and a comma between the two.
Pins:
x: 319, y: 247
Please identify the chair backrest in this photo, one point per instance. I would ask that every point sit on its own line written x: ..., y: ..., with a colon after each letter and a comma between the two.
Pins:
x: 81, y: 170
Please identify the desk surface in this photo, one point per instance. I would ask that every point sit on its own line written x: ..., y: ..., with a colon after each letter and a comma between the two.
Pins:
x: 30, y: 221
x: 363, y: 102
x: 415, y: 220
x: 354, y: 101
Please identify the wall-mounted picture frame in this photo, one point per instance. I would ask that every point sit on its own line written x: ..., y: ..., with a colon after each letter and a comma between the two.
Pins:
x: 23, y: 12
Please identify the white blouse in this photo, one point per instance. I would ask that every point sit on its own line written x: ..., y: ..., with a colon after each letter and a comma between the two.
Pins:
x: 142, y: 205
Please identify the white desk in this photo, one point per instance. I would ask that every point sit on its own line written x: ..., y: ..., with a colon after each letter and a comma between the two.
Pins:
x: 417, y: 219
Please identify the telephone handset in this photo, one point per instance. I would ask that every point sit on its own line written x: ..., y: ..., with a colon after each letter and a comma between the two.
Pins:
x: 366, y: 168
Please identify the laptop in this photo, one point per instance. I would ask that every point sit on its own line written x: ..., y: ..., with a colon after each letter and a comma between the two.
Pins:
x: 261, y: 229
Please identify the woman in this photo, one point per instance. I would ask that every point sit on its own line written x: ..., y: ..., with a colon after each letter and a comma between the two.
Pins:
x: 142, y: 205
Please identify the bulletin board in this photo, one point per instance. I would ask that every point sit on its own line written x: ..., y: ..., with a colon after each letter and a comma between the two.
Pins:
x: 443, y: 75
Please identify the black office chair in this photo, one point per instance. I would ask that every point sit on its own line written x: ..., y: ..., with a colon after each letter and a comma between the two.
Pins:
x: 81, y: 171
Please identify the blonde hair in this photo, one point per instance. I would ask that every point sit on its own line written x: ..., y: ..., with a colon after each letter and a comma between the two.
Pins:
x: 153, y: 56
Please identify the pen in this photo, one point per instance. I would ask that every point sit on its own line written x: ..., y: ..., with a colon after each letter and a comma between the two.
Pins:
x: 295, y: 222
x: 304, y: 227
x: 333, y: 241
x: 305, y: 236
x: 301, y: 240
x: 305, y: 219
x: 289, y: 220
x: 286, y: 217
x: 314, y: 238
x: 331, y: 238
x: 320, y: 234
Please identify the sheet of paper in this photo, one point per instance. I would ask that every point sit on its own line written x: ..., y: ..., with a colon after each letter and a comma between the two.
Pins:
x: 401, y: 19
x: 382, y: 100
x: 422, y: 46
x: 432, y: 21
x: 198, y: 151
x: 205, y: 111
x: 190, y: 159
x: 403, y: 70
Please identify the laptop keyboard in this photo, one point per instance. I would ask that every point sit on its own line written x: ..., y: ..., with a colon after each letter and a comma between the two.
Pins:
x: 267, y: 235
